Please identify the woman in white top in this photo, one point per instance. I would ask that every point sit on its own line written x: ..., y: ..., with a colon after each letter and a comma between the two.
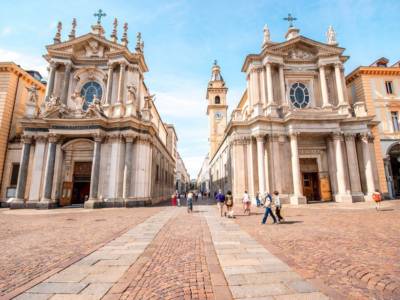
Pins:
x: 246, y: 202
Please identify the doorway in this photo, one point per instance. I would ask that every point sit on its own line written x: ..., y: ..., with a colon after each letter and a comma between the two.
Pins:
x: 310, y: 178
x: 81, y: 182
x: 311, y: 186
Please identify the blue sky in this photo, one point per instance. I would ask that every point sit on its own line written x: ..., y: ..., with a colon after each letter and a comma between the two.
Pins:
x: 182, y: 38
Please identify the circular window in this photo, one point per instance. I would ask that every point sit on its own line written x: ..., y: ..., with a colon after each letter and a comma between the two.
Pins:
x: 299, y: 95
x: 89, y: 90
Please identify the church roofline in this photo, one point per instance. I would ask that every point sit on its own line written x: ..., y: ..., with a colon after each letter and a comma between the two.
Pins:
x: 274, y: 49
x: 57, y: 49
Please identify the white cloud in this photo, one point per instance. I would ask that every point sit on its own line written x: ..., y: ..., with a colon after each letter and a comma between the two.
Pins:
x: 26, y: 61
x: 6, y: 31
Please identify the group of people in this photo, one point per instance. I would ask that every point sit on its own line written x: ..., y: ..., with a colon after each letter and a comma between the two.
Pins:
x: 271, y: 203
x: 177, y: 199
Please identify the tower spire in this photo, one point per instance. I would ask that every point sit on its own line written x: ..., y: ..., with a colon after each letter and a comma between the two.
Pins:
x: 73, y: 29
x: 57, y: 37
x: 124, y: 39
x: 114, y: 36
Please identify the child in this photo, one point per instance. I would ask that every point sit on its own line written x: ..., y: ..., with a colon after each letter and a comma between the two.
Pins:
x: 278, y: 206
x: 246, y: 202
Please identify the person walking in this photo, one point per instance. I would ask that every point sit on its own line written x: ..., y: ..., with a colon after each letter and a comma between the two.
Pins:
x: 220, y: 197
x: 258, y: 201
x: 246, y: 203
x: 173, y: 199
x: 278, y: 206
x: 189, y: 202
x: 229, y: 204
x: 268, y: 209
x: 376, y: 196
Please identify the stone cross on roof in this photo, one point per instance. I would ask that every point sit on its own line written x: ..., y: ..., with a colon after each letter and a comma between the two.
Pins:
x: 290, y: 19
x: 99, y: 15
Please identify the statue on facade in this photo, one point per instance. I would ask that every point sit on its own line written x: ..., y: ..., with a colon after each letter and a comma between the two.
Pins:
x: 267, y: 35
x: 79, y: 102
x: 32, y: 106
x: 331, y: 36
x: 32, y: 94
x: 53, y: 102
x: 95, y: 108
x: 131, y: 93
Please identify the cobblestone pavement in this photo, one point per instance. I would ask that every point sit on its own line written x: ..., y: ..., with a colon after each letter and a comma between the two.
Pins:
x: 251, y: 270
x: 34, y: 242
x: 350, y: 251
x: 179, y: 264
x: 92, y: 276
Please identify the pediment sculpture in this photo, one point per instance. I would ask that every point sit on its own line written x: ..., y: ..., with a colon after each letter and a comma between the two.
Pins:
x: 300, y: 54
x: 95, y: 109
x: 94, y: 49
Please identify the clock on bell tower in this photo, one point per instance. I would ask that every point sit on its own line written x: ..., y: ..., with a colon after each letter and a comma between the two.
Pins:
x: 216, y: 108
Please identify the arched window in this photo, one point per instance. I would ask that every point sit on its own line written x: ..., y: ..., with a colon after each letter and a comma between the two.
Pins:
x: 299, y: 95
x: 217, y: 100
x: 89, y: 90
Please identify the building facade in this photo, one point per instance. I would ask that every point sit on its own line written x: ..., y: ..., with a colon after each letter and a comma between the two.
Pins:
x: 182, y: 180
x: 203, y: 178
x: 17, y: 86
x: 378, y: 86
x: 98, y: 139
x: 294, y: 130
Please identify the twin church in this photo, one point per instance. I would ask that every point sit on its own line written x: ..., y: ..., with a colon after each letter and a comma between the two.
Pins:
x: 294, y: 129
x: 97, y: 140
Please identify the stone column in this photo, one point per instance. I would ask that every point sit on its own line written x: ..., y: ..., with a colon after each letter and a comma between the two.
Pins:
x: 50, y: 83
x: 324, y: 89
x: 282, y: 86
x: 249, y: 92
x: 121, y: 82
x: 369, y: 175
x: 18, y: 201
x: 354, y: 172
x: 262, y: 87
x: 46, y: 201
x: 94, y: 180
x: 109, y: 84
x: 67, y: 75
x: 297, y: 197
x: 338, y: 77
x: 270, y: 94
x: 342, y: 195
x: 254, y: 86
x: 37, y: 170
x: 128, y: 167
x: 261, y: 163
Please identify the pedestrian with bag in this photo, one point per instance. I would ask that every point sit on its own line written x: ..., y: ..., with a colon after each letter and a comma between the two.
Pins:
x: 246, y: 203
x: 268, y: 209
x: 229, y: 204
x: 278, y: 206
x: 220, y: 197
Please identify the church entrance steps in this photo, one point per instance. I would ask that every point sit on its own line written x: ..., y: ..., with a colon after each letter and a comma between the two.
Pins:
x: 92, y: 276
x: 251, y: 270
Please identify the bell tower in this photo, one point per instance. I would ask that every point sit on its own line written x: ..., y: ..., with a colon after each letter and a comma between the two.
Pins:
x: 216, y: 108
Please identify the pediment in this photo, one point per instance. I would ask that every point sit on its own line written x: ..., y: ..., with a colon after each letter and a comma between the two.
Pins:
x: 86, y: 47
x: 304, y: 48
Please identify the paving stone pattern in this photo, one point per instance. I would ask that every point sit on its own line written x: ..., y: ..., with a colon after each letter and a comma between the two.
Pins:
x: 351, y: 249
x: 252, y: 271
x: 175, y: 265
x: 94, y: 275
x: 35, y: 242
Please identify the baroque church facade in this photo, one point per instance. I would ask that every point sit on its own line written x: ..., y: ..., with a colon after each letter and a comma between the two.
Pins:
x: 98, y: 138
x: 294, y: 129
